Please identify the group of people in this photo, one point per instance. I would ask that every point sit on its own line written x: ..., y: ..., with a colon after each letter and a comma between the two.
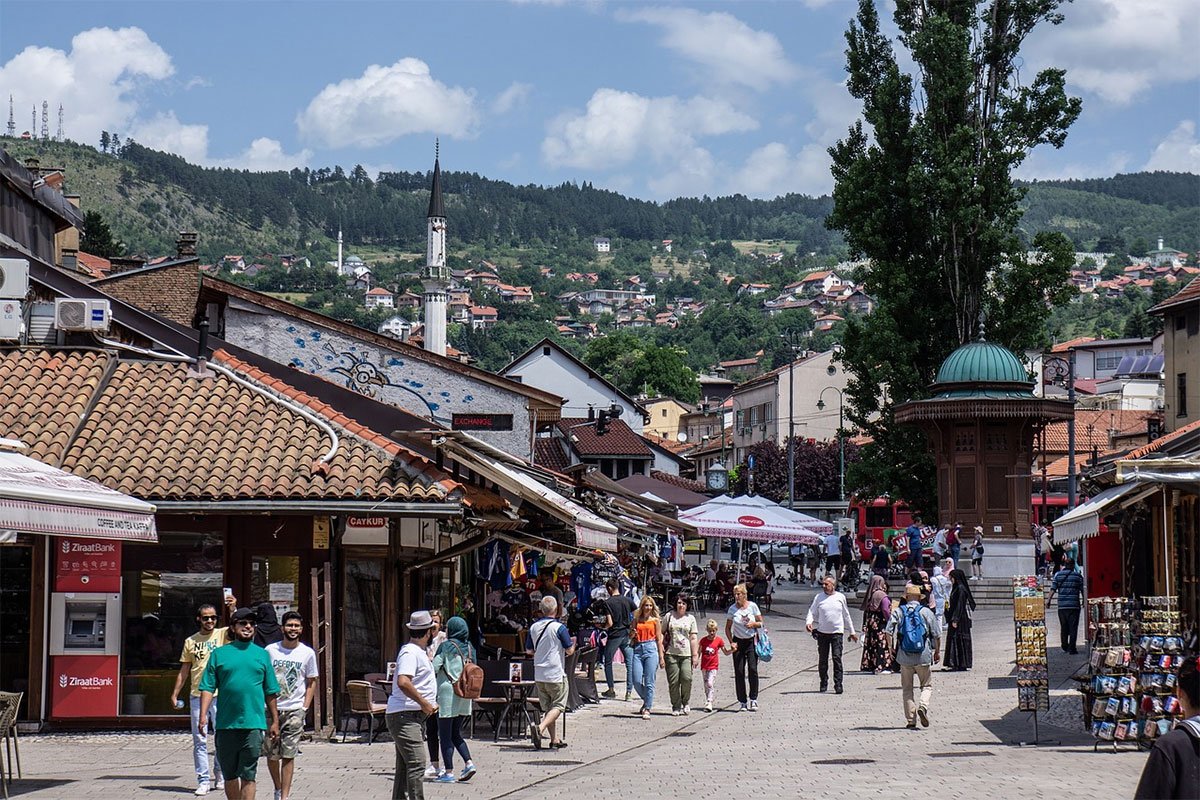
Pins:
x: 265, y: 678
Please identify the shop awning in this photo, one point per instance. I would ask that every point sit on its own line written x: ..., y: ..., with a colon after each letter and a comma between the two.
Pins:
x: 754, y: 521
x: 37, y: 498
x: 1083, y: 521
x: 590, y: 530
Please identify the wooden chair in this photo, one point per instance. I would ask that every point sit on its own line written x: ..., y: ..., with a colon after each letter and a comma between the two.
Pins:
x: 378, y: 693
x: 10, y: 703
x: 363, y: 705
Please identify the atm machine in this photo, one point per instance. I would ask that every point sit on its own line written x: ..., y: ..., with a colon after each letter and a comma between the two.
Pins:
x: 85, y: 630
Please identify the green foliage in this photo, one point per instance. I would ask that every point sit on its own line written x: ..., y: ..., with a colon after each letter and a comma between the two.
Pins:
x: 816, y: 471
x: 97, y: 238
x: 636, y: 365
x: 927, y: 195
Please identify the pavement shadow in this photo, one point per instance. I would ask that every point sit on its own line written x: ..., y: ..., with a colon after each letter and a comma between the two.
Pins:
x: 171, y: 789
x: 1016, y: 729
x: 22, y: 786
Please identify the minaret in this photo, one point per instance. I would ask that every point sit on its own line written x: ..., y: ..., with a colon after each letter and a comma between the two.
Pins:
x: 339, y: 251
x: 436, y: 277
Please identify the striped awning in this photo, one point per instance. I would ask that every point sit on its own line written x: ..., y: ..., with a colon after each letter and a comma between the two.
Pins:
x: 1083, y: 521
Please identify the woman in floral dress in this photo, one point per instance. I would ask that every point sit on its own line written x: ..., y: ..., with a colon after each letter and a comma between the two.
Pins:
x: 876, y: 656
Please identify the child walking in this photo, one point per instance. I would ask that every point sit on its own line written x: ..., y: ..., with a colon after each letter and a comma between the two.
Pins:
x: 711, y: 647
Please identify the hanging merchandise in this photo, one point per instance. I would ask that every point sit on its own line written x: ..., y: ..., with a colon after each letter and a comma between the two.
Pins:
x: 1112, y: 687
x: 1029, y: 616
x: 517, y: 570
x: 1157, y: 656
x: 494, y: 564
x: 581, y: 585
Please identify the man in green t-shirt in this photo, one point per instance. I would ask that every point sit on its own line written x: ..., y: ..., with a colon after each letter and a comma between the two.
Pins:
x: 242, y: 672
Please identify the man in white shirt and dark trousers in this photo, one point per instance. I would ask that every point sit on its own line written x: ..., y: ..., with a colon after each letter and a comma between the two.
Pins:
x: 295, y: 665
x: 828, y: 619
x: 916, y: 640
x: 550, y: 643
x: 412, y: 701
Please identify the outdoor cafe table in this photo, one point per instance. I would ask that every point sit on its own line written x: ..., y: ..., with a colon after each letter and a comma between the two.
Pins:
x: 516, y: 695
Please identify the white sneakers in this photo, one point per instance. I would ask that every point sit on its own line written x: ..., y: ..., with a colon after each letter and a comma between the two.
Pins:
x: 687, y: 710
x: 708, y: 707
x: 202, y: 789
x: 754, y: 705
x: 742, y: 707
x: 675, y: 712
x: 432, y: 772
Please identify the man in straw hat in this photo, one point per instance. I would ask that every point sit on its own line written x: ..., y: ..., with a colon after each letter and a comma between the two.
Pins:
x: 412, y: 701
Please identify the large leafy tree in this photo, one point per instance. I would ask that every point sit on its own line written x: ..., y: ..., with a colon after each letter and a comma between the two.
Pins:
x: 97, y: 238
x: 817, y: 470
x: 635, y: 365
x: 923, y: 188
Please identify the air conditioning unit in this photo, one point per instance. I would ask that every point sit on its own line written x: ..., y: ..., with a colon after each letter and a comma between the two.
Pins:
x: 748, y: 431
x: 14, y: 278
x: 73, y: 314
x: 11, y: 320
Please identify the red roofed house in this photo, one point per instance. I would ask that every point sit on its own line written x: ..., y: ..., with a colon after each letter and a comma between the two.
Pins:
x: 820, y: 282
x: 481, y: 317
x: 379, y: 298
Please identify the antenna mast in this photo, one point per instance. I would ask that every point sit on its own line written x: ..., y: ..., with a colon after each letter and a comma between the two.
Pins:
x: 45, y: 119
x: 12, y: 122
x: 59, y: 137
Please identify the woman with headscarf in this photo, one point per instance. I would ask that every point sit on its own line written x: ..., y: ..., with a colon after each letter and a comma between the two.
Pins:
x: 267, y: 630
x: 941, y: 595
x: 453, y: 711
x: 876, y: 656
x: 958, y: 650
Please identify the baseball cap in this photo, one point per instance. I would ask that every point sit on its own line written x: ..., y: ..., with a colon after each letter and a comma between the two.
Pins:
x: 244, y: 613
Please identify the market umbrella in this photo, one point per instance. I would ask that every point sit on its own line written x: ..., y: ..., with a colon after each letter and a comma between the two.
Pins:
x: 756, y: 520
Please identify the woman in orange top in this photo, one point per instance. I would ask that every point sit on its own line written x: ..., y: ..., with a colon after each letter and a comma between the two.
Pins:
x: 648, y: 656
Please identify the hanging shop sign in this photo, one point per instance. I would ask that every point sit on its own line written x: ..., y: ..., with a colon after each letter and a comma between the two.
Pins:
x: 481, y: 422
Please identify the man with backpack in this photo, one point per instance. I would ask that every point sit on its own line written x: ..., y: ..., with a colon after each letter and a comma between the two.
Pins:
x: 916, y: 640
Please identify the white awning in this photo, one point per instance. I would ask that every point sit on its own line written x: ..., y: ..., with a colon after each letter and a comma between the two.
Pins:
x: 1083, y: 521
x: 40, y: 499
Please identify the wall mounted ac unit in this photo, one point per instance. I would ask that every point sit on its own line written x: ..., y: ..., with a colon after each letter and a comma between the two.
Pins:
x: 11, y: 320
x: 72, y: 314
x: 14, y: 278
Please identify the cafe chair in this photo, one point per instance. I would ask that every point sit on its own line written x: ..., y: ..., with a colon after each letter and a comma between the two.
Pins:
x: 378, y: 693
x: 362, y: 704
x: 490, y: 704
x: 10, y: 702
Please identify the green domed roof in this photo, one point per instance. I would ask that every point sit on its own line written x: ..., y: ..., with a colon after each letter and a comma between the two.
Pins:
x: 977, y: 367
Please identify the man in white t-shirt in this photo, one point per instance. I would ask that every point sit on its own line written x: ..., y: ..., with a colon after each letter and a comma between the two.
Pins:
x: 828, y: 619
x: 295, y: 665
x: 412, y: 701
x: 549, y: 643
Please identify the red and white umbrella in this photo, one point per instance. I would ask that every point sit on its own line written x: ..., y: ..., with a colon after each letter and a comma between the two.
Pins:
x: 755, y: 519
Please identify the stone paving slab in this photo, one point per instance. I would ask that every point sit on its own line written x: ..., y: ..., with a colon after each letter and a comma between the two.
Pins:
x: 788, y: 749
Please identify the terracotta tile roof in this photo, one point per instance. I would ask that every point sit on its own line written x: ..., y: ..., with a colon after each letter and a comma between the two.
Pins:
x: 618, y: 440
x: 682, y: 483
x: 150, y: 430
x: 548, y: 452
x: 667, y: 443
x: 1126, y: 423
x: 1161, y: 441
x: 1063, y: 347
x: 95, y: 266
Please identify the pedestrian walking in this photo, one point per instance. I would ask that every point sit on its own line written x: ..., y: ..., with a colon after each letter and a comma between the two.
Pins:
x: 241, y: 671
x: 196, y: 651
x: 833, y: 554
x: 881, y: 560
x: 413, y: 700
x: 453, y: 711
x: 1172, y: 769
x: 954, y: 541
x: 295, y: 665
x: 941, y: 595
x: 877, y: 607
x: 742, y: 621
x: 549, y: 588
x: 846, y: 552
x: 1068, y: 584
x: 814, y: 562
x: 618, y: 623
x: 913, y: 532
x: 711, y: 647
x: 549, y: 642
x: 683, y: 655
x: 266, y: 629
x: 828, y: 618
x: 977, y: 554
x: 432, y: 745
x: 648, y: 655
x: 959, y: 655
x: 916, y: 642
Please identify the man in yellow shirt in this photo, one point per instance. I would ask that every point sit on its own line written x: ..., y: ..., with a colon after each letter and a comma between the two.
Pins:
x: 194, y: 658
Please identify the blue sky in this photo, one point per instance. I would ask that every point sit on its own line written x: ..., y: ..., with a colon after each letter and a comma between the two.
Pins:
x: 655, y: 100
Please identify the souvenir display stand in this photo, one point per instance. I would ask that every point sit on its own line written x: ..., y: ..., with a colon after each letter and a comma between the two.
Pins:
x: 1157, y: 654
x: 1111, y: 688
x: 1029, y: 618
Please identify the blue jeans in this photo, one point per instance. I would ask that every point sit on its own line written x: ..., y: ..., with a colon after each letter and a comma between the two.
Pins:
x: 645, y: 669
x: 200, y: 743
x: 616, y: 643
x: 955, y: 549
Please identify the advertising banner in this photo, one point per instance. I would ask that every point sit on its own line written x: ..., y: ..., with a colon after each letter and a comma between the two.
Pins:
x: 87, y: 565
x: 83, y: 686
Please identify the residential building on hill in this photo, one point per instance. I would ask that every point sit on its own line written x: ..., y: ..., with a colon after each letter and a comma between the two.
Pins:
x: 379, y: 298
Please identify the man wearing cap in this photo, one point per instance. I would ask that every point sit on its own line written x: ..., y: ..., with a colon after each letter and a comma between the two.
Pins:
x: 412, y: 701
x: 242, y: 672
x: 914, y: 616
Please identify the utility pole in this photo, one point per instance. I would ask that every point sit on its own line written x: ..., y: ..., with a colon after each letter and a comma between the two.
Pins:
x: 841, y: 438
x: 1071, y: 430
x: 791, y: 335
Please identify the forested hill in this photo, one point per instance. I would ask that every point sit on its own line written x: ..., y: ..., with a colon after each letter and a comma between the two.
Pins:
x: 147, y: 197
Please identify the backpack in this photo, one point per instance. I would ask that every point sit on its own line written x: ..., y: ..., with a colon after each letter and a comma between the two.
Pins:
x: 469, y: 685
x: 912, y: 630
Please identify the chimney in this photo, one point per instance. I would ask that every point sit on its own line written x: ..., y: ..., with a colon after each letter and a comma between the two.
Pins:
x: 70, y: 259
x: 185, y: 245
x: 591, y: 414
x: 33, y: 164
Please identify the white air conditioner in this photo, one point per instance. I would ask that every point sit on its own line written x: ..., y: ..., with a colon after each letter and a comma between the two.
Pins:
x: 14, y: 278
x: 73, y: 314
x: 11, y: 320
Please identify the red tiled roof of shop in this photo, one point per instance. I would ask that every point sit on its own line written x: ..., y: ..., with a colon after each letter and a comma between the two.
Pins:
x: 1063, y: 347
x: 618, y: 440
x: 548, y: 453
x: 682, y: 483
x: 1126, y: 422
x: 44, y: 394
x: 1158, y: 443
x: 1187, y: 294
x: 96, y: 266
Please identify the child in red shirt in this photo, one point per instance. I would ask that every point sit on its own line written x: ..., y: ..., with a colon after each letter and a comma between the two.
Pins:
x: 711, y: 647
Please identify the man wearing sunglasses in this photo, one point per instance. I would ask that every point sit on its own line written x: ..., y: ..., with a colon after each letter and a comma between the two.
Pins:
x: 196, y: 650
x: 242, y: 672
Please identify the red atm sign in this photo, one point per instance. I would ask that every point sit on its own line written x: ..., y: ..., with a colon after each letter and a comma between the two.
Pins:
x: 482, y: 422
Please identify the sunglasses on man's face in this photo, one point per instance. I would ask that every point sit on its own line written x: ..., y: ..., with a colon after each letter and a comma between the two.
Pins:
x: 249, y: 622
x: 208, y: 618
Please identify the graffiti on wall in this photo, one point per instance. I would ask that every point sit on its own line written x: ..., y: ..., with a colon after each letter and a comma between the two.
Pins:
x: 358, y: 369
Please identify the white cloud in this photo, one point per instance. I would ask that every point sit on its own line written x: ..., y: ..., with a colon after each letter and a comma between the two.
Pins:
x: 1119, y: 49
x: 732, y: 51
x: 618, y: 126
x: 265, y: 155
x: 1050, y: 165
x: 96, y: 82
x: 1178, y: 152
x: 385, y: 103
x: 165, y: 132
x: 771, y: 171
x: 515, y: 96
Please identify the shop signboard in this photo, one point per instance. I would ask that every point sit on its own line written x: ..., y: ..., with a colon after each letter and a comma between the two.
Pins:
x: 87, y: 565
x: 83, y: 686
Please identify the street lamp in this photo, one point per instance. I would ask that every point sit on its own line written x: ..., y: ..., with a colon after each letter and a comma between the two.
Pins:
x: 841, y: 438
x: 792, y: 337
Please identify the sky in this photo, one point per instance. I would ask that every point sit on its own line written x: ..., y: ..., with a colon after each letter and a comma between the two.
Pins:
x: 654, y: 100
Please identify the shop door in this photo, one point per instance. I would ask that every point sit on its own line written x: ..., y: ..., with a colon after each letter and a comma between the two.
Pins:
x: 15, y: 606
x: 276, y: 579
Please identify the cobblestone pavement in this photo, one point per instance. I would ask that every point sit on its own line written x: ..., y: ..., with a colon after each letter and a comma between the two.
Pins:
x: 801, y: 743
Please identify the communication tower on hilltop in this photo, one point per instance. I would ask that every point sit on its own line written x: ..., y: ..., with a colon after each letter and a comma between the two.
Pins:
x: 12, y: 121
x: 58, y: 137
x: 45, y: 119
x: 33, y: 121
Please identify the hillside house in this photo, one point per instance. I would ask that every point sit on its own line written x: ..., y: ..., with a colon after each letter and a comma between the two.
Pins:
x: 753, y: 289
x: 821, y: 282
x: 826, y: 322
x: 397, y: 327
x: 514, y: 294
x: 1168, y: 256
x: 667, y: 244
x: 602, y: 244
x: 379, y: 298
x: 481, y: 317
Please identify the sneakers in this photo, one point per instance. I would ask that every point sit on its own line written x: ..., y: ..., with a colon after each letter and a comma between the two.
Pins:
x: 708, y: 707
x: 912, y: 726
x: 609, y: 694
x: 924, y: 715
x: 467, y: 773
x: 432, y: 771
x: 754, y: 705
x: 824, y: 687
x: 628, y: 696
x: 839, y: 690
x: 279, y: 794
x: 202, y: 789
x: 742, y: 707
x: 535, y: 733
x: 220, y: 784
x: 445, y: 777
x: 687, y: 710
x: 645, y: 714
x: 675, y: 712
